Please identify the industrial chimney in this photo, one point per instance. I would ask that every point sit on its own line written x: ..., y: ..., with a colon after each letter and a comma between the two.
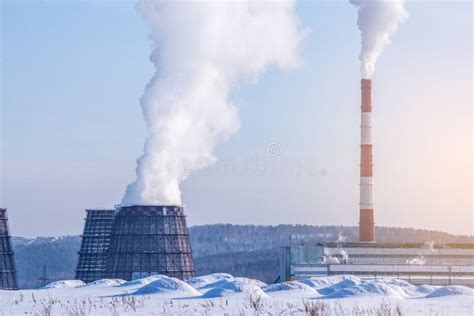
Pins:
x: 366, y: 220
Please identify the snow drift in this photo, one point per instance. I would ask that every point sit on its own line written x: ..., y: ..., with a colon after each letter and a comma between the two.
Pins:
x: 227, y: 286
x: 223, y: 284
x: 105, y: 283
x: 292, y: 286
x: 64, y: 284
x: 202, y: 281
x: 451, y: 290
x: 203, y: 295
x: 164, y: 284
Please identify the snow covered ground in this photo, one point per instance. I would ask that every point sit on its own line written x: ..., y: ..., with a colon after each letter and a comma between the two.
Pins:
x: 223, y: 294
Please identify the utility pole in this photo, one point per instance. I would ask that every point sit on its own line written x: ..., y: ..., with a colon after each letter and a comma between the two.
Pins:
x: 44, y: 279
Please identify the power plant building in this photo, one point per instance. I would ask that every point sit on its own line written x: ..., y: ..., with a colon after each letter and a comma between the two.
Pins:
x: 135, y: 241
x: 8, y: 280
x: 416, y: 263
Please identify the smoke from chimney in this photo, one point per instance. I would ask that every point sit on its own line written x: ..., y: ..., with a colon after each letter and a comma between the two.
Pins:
x: 202, y: 50
x: 378, y: 20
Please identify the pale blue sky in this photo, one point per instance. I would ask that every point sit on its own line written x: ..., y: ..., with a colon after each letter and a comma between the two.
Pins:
x: 72, y: 128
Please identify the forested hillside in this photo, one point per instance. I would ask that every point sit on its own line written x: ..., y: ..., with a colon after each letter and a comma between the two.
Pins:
x: 59, y: 255
x: 226, y: 238
x: 241, y: 250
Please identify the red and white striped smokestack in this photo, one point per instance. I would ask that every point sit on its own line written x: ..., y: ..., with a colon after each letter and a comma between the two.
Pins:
x: 366, y: 221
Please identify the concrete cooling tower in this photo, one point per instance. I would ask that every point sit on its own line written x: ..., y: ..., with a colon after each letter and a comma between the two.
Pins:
x: 135, y: 241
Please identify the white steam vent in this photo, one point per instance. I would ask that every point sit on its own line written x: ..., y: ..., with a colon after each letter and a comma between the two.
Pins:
x: 378, y: 20
x: 201, y: 50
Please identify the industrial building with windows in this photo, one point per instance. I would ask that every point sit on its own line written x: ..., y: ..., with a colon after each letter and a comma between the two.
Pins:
x: 435, y: 264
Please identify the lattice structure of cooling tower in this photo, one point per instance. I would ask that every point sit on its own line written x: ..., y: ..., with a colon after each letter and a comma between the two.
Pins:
x: 148, y: 240
x: 95, y: 244
x: 7, y: 261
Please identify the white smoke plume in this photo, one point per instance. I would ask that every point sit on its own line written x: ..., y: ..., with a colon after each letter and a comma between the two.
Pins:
x: 201, y: 50
x: 378, y: 20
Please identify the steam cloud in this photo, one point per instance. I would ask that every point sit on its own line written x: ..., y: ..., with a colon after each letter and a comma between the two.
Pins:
x: 378, y: 20
x: 202, y: 50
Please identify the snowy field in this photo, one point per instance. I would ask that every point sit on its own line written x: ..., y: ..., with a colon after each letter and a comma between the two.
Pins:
x: 223, y: 294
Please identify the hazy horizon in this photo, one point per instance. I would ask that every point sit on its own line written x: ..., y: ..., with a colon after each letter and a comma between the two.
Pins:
x: 258, y: 225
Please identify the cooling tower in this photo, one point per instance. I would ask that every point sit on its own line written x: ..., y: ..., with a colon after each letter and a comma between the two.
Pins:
x: 7, y: 261
x: 95, y: 243
x: 366, y: 206
x: 148, y: 240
